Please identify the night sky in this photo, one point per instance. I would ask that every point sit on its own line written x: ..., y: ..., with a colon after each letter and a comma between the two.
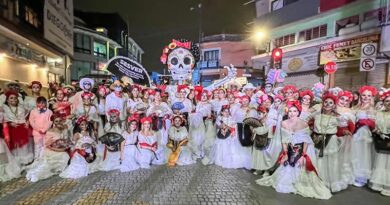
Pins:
x: 153, y: 23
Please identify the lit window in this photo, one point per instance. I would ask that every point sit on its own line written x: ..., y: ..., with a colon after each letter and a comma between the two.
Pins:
x: 99, y: 49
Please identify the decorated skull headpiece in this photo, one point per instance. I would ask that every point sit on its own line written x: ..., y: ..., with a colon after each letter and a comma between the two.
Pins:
x: 181, y: 57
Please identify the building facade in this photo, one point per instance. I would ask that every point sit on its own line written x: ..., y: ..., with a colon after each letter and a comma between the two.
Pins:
x: 335, y: 33
x: 222, y: 50
x: 26, y: 51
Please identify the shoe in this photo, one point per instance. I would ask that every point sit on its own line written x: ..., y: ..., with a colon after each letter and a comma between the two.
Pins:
x: 385, y: 192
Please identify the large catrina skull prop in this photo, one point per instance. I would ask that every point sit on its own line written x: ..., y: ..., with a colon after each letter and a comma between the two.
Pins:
x: 180, y: 63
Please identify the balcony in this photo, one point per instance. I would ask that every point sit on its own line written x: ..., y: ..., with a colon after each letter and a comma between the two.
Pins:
x: 208, y: 64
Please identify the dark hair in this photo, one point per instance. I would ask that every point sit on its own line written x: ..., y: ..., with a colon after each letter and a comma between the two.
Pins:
x: 77, y: 128
x: 41, y: 99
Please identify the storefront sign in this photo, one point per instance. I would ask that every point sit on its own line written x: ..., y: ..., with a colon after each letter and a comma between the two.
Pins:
x: 345, y: 50
x: 300, y: 60
x: 121, y: 66
x: 330, y: 67
x: 58, y: 24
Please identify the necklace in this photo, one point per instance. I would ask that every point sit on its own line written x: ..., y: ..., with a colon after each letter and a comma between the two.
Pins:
x: 15, y: 113
x: 86, y: 112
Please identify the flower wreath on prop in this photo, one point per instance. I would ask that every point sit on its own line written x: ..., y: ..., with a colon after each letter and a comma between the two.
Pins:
x: 180, y: 56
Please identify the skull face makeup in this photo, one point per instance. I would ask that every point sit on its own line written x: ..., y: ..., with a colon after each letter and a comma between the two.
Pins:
x: 180, y: 63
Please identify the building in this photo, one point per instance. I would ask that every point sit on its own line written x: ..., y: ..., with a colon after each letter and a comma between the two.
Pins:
x: 28, y: 49
x: 325, y: 30
x: 95, y: 44
x: 222, y: 50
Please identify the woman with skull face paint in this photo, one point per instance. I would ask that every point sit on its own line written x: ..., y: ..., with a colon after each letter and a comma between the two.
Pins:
x: 111, y: 159
x: 55, y: 156
x: 306, y: 97
x: 30, y: 101
x: 129, y: 145
x: 328, y: 145
x: 115, y: 100
x: 16, y: 129
x: 297, y: 171
x: 86, y: 85
x: 88, y: 109
x: 380, y: 180
x: 344, y: 132
x: 361, y: 150
x: 83, y: 154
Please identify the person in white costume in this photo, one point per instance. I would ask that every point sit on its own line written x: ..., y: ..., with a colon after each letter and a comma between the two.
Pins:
x: 30, y: 101
x: 129, y: 148
x: 147, y: 144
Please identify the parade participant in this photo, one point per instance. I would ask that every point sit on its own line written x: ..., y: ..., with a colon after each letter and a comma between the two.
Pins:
x: 249, y: 90
x: 14, y: 87
x: 328, y: 145
x: 84, y: 151
x: 182, y: 93
x: 59, y: 96
x: 268, y: 89
x: 111, y: 155
x: 134, y: 104
x: 103, y: 91
x: 192, y: 97
x: 262, y: 156
x: 88, y: 109
x: 16, y: 129
x: 306, y: 98
x: 361, y: 148
x: 204, y: 134
x: 227, y: 151
x: 86, y: 84
x: 30, y: 101
x: 129, y: 145
x: 289, y: 91
x: 40, y: 122
x: 54, y: 156
x: 221, y: 100
x: 355, y: 99
x: 115, y: 100
x: 176, y: 109
x: 70, y: 91
x: 234, y: 101
x: 265, y: 101
x: 145, y: 95
x: 234, y: 86
x: 9, y: 168
x: 380, y: 180
x: 179, y: 153
x: 147, y: 144
x: 345, y: 130
x: 297, y: 171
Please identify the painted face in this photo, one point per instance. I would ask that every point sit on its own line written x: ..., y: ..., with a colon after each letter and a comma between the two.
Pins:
x: 86, y: 100
x: 366, y: 97
x: 58, y: 122
x: 41, y: 105
x: 101, y: 93
x: 328, y: 105
x: 83, y: 126
x: 60, y: 95
x: 293, y: 112
x: 306, y: 100
x: 267, y: 103
x: 249, y: 92
x: 133, y: 125
x: 277, y: 101
x: 268, y: 88
x: 343, y: 101
x: 135, y: 92
x: 118, y: 88
x: 35, y: 88
x: 113, y: 118
x: 204, y: 97
x: 177, y: 122
x: 225, y: 112
x: 289, y: 95
x: 87, y: 85
x: 386, y: 103
x: 180, y: 63
x: 182, y: 93
x: 12, y: 100
x: 14, y: 87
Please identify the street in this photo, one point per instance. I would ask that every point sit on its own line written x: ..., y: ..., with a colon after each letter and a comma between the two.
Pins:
x: 194, y: 184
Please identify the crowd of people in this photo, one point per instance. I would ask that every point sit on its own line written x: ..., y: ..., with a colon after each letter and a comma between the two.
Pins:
x: 293, y: 141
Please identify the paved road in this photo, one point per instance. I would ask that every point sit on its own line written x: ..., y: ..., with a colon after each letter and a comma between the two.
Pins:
x: 195, y: 184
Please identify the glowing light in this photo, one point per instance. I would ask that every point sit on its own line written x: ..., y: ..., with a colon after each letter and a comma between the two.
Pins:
x: 2, y: 56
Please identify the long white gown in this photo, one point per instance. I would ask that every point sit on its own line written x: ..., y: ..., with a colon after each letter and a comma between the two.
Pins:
x: 297, y: 179
x: 147, y: 153
x: 129, y: 162
x: 112, y: 160
x: 380, y: 178
x: 198, y: 128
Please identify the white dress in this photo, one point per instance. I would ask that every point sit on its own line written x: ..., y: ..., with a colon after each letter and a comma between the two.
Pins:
x: 266, y: 159
x: 380, y: 178
x: 129, y: 162
x: 297, y: 180
x: 52, y: 162
x: 112, y: 160
x: 78, y: 166
x: 228, y: 153
x: 362, y: 149
x: 115, y: 102
x: 198, y: 128
x: 179, y: 134
x: 329, y: 164
x: 9, y: 168
x: 147, y: 150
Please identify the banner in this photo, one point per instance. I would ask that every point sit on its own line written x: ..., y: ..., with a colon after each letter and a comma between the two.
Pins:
x: 58, y: 23
x: 121, y: 66
x: 345, y: 50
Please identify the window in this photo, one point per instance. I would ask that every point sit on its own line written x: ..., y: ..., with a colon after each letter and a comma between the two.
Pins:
x: 313, y: 33
x: 111, y: 52
x: 82, y: 43
x: 80, y: 68
x: 285, y: 40
x: 277, y: 4
x: 31, y: 17
x: 346, y: 22
x: 211, y: 55
x: 99, y: 49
